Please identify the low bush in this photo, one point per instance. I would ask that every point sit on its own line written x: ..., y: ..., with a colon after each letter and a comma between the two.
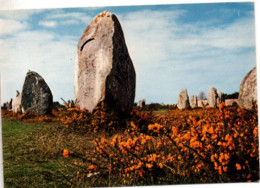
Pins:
x: 201, y: 146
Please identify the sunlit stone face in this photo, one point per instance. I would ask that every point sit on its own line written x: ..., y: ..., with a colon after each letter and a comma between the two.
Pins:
x: 103, y: 68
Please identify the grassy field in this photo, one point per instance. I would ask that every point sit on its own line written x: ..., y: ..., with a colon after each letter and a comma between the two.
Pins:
x: 21, y: 161
x: 32, y: 153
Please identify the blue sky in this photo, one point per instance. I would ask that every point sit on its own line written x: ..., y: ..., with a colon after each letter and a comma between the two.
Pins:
x: 193, y: 46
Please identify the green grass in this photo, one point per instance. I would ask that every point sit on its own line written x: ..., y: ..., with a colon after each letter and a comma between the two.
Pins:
x: 31, y: 154
x: 161, y: 111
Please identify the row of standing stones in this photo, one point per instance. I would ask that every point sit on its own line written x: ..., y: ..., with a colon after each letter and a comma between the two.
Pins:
x: 104, y: 72
x: 247, y: 95
x: 213, y: 100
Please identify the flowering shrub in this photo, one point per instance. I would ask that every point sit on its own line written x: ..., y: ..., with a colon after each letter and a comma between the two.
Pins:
x: 199, y: 146
x: 101, y: 118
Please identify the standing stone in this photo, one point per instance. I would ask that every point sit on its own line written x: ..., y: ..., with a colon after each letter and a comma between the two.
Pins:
x: 220, y: 97
x: 9, y: 107
x: 36, y: 95
x: 248, y: 90
x: 16, y: 105
x: 194, y: 101
x: 212, y: 99
x: 183, y: 100
x: 202, y: 103
x: 141, y: 103
x: 104, y: 70
x: 231, y: 102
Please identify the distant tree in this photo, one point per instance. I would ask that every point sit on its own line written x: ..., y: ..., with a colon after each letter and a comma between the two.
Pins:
x: 231, y: 96
x: 202, y: 95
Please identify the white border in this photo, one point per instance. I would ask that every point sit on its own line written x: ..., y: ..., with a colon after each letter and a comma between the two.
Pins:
x: 39, y: 4
x: 32, y: 4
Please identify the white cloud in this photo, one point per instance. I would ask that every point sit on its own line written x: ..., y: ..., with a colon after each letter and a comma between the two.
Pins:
x: 19, y: 14
x: 11, y: 26
x: 48, y: 23
x: 64, y: 18
x: 46, y: 53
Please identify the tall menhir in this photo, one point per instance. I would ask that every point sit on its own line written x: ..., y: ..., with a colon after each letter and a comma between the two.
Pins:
x: 104, y: 70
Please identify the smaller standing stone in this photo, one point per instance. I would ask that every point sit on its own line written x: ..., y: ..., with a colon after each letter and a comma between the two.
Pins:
x: 183, y: 100
x: 220, y: 97
x: 194, y: 101
x: 202, y: 103
x: 141, y: 103
x: 16, y: 105
x: 36, y: 95
x: 9, y: 107
x: 212, y: 99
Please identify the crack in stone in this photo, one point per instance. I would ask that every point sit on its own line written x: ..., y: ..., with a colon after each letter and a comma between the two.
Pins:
x: 81, y: 48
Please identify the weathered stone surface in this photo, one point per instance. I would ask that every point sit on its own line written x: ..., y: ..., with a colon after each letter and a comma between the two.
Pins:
x: 183, y: 100
x: 248, y: 90
x: 141, y: 103
x: 104, y: 70
x: 194, y: 101
x: 220, y: 97
x: 202, y: 103
x: 36, y: 94
x: 16, y: 105
x: 212, y: 98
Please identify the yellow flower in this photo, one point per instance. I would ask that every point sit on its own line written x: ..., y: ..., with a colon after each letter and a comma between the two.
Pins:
x: 211, y: 130
x: 174, y: 131
x: 212, y: 158
x: 148, y: 165
x: 92, y: 167
x: 66, y: 153
x: 238, y: 166
x: 219, y: 170
x: 155, y: 127
x: 221, y: 106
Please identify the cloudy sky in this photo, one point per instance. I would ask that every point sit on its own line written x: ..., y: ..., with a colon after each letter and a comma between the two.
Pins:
x: 193, y: 46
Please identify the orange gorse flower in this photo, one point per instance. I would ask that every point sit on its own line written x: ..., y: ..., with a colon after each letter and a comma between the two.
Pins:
x: 66, y: 153
x: 92, y: 167
x: 155, y: 127
x: 238, y: 166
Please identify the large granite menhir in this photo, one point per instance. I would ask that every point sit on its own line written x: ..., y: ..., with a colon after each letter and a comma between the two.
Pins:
x: 248, y: 90
x: 104, y: 70
x: 36, y: 96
